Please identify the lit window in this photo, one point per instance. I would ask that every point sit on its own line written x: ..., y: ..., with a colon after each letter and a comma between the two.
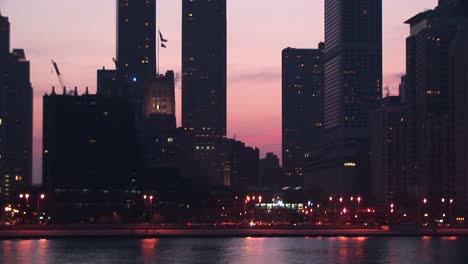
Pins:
x: 349, y: 164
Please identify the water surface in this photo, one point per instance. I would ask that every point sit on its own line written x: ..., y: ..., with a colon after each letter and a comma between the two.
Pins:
x: 238, y: 250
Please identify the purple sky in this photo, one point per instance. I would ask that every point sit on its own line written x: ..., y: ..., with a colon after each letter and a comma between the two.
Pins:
x: 80, y: 36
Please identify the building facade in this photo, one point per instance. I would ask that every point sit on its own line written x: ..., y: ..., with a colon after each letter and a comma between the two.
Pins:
x: 16, y: 118
x: 385, y: 141
x: 302, y: 105
x: 458, y: 96
x: 353, y: 88
x: 204, y: 67
x: 84, y: 137
x: 136, y: 38
x: 428, y: 166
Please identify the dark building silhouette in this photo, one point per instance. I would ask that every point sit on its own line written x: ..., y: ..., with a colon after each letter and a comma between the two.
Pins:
x: 4, y: 36
x: 271, y: 173
x: 90, y: 157
x: 219, y: 163
x: 302, y: 104
x: 136, y: 55
x: 385, y: 141
x: 159, y: 127
x: 204, y: 62
x: 16, y: 118
x: 353, y: 88
x: 136, y: 38
x: 458, y: 96
x: 428, y: 166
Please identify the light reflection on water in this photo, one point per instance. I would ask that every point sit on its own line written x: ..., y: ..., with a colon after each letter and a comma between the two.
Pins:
x: 238, y: 250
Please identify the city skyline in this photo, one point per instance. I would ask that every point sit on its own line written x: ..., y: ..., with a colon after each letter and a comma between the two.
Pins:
x: 252, y: 71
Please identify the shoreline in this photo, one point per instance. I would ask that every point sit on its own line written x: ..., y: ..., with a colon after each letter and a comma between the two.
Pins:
x: 154, y: 232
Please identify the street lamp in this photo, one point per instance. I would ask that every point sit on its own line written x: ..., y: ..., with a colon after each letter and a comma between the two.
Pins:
x: 39, y: 199
x: 149, y: 198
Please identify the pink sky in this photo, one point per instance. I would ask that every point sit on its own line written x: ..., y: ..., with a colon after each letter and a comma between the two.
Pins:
x: 80, y: 36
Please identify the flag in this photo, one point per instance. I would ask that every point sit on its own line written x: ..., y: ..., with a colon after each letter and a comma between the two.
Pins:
x: 163, y: 45
x: 161, y: 37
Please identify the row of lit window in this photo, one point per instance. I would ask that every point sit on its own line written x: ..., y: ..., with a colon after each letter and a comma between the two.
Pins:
x: 203, y: 148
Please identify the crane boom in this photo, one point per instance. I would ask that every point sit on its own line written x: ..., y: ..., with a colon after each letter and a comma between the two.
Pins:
x: 59, y: 75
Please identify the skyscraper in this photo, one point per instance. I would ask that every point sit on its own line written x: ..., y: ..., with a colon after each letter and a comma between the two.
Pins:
x: 302, y: 103
x: 428, y: 166
x: 385, y: 141
x: 204, y: 58
x: 4, y: 36
x: 16, y: 104
x: 136, y: 61
x: 90, y: 158
x: 458, y: 95
x: 353, y: 88
x: 136, y: 38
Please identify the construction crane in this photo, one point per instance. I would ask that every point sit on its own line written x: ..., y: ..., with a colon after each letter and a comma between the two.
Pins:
x: 59, y: 75
x: 115, y: 62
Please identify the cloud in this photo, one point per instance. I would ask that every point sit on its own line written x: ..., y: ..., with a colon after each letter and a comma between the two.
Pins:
x: 255, y: 76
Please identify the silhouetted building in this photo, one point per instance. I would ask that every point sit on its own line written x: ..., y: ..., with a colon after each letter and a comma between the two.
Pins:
x: 385, y: 142
x: 271, y: 173
x: 16, y: 119
x: 428, y: 166
x: 4, y: 36
x: 159, y: 127
x: 402, y: 89
x: 353, y: 88
x: 458, y: 94
x: 136, y: 38
x: 302, y: 104
x: 89, y: 152
x: 204, y: 62
x: 136, y: 59
x: 160, y: 96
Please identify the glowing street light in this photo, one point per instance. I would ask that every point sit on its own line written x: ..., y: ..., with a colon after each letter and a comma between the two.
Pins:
x: 331, y: 198
x: 425, y: 200
x: 341, y: 199
x: 443, y: 200
x: 39, y: 199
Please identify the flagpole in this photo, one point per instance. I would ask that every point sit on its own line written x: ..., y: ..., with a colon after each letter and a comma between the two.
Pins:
x: 158, y: 44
